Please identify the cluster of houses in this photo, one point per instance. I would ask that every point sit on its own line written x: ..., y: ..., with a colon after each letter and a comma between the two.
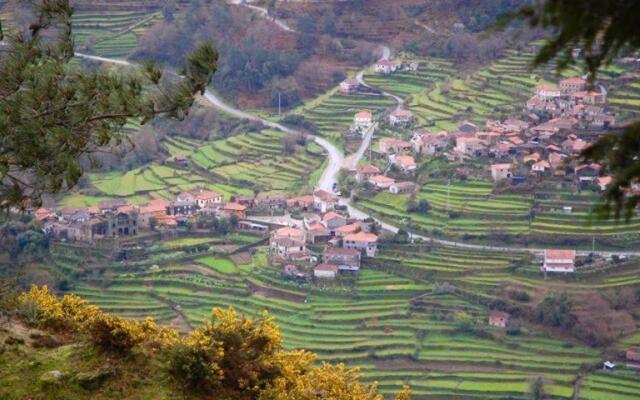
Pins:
x: 572, y: 98
x: 116, y: 218
x: 516, y: 150
x: 339, y: 242
x: 385, y: 67
x: 388, y: 67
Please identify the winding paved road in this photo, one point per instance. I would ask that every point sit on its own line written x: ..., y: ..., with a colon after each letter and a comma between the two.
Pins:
x: 264, y: 14
x: 337, y: 160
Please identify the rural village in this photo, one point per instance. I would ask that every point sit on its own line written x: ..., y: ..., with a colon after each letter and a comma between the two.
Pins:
x: 429, y: 224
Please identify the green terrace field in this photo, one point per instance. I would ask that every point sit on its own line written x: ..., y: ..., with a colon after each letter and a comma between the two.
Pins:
x: 610, y: 386
x: 390, y: 320
x: 407, y: 83
x: 471, y: 209
x: 232, y: 166
x: 112, y: 33
x: 334, y: 113
x: 440, y: 94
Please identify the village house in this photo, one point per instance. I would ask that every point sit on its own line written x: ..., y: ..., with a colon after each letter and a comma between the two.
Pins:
x: 271, y: 202
x: 429, y: 143
x: 122, y: 223
x: 344, y: 259
x: 287, y: 249
x: 348, y: 229
x: 365, y: 242
x: 535, y: 104
x: 252, y: 227
x: 501, y: 172
x: 310, y: 218
x: 402, y: 188
x: 394, y: 145
x: 490, y: 137
x: 632, y: 357
x: 365, y: 172
x: 325, y: 271
x: 574, y: 146
x: 153, y: 210
x: 591, y: 98
x: 182, y: 207
x: 556, y: 160
x: 236, y: 209
x: 362, y: 121
x: 324, y: 201
x: 548, y: 92
x: 289, y: 233
x: 333, y: 220
x: 469, y: 146
x: 541, y: 166
x: 301, y: 203
x: 411, y: 66
x: 110, y: 206
x: 499, y: 318
x: 349, y: 86
x: 516, y: 141
x: 573, y: 85
x: 381, y: 181
x: 586, y: 173
x: 181, y: 161
x: 318, y: 233
x: 502, y: 150
x: 293, y: 271
x: 45, y: 214
x: 562, y: 261
x: 400, y: 117
x: 204, y: 198
x: 406, y: 164
x: 516, y: 125
x: 386, y: 66
x: 468, y: 128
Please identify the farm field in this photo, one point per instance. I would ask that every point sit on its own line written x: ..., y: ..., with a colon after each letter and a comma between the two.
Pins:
x: 401, y: 327
x: 470, y: 210
x: 439, y: 94
x: 333, y: 114
x: 234, y: 166
x: 114, y: 34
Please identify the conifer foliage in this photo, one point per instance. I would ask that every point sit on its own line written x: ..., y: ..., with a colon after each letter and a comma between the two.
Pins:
x: 54, y: 116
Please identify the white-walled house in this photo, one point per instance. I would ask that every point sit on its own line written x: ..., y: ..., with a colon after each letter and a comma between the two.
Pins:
x: 381, y: 181
x: 501, y: 171
x: 365, y: 242
x: 363, y: 120
x: 400, y: 117
x: 325, y: 271
x: 562, y: 261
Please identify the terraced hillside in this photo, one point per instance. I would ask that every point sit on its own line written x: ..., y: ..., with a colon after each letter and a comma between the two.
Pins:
x: 333, y: 112
x: 442, y: 96
x: 234, y: 166
x: 470, y: 209
x: 108, y: 28
x: 396, y: 319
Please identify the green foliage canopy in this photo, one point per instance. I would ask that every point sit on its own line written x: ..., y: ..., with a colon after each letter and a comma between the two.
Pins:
x: 54, y: 116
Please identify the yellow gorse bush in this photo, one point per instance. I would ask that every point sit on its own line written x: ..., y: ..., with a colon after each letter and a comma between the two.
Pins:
x: 231, y: 355
x: 74, y: 315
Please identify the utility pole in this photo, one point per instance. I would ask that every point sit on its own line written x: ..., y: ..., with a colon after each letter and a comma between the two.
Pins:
x: 593, y: 244
x: 279, y: 104
x: 449, y: 194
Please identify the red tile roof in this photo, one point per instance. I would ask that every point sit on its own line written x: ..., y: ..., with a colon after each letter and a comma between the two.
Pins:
x: 560, y: 254
x: 361, y: 237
